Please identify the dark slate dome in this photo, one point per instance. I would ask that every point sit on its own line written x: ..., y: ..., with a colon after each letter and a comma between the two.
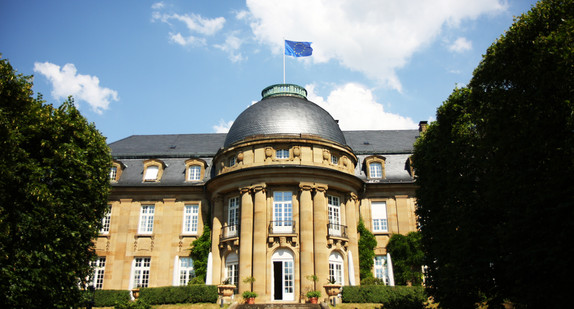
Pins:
x: 284, y: 109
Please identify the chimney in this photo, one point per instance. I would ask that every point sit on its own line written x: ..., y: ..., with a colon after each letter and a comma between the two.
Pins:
x: 423, y: 125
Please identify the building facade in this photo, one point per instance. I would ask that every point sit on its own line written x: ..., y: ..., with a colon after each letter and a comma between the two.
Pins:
x: 282, y: 193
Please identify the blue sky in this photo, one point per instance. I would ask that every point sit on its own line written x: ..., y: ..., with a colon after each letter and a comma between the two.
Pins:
x: 170, y: 67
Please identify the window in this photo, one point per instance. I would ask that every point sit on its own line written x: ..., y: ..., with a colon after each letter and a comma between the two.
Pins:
x: 146, y: 219
x: 113, y: 173
x: 334, y: 159
x: 153, y: 170
x: 232, y: 217
x: 186, y: 271
x: 232, y: 269
x: 334, y: 208
x: 190, y: 218
x: 99, y: 266
x: 282, y: 154
x: 194, y: 173
x: 379, y: 215
x: 336, y: 268
x: 232, y: 161
x: 140, y: 272
x: 106, y: 222
x: 376, y: 170
x: 381, y: 271
x: 282, y: 212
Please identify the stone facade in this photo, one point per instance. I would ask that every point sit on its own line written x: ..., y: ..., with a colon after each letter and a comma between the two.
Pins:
x: 282, y: 205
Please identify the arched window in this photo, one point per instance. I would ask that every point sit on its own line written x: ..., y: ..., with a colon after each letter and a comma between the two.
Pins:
x: 375, y: 167
x: 194, y: 169
x: 336, y: 268
x: 153, y: 170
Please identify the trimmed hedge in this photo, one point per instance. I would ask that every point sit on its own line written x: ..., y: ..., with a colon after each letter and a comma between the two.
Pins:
x: 392, y: 297
x: 108, y: 298
x: 179, y: 294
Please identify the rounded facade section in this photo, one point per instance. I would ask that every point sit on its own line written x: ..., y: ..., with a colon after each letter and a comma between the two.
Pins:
x: 284, y: 115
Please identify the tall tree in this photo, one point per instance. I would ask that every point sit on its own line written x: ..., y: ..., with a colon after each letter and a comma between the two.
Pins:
x: 496, y: 197
x: 53, y: 194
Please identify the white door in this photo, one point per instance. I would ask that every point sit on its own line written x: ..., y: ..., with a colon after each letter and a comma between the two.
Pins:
x: 283, y: 275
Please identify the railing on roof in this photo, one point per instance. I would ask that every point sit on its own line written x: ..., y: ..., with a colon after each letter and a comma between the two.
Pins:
x: 284, y: 90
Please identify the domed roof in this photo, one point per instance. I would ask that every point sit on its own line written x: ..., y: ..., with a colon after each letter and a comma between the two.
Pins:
x: 284, y: 109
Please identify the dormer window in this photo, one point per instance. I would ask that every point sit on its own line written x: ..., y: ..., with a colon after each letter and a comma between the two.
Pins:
x: 375, y: 167
x: 194, y: 169
x: 282, y: 154
x: 334, y: 160
x: 116, y: 171
x: 153, y: 170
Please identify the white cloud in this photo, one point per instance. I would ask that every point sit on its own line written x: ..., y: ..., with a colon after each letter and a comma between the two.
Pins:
x: 158, y: 5
x: 231, y: 46
x: 222, y: 127
x: 374, y: 37
x: 356, y: 109
x: 66, y: 81
x: 196, y: 25
x: 460, y: 45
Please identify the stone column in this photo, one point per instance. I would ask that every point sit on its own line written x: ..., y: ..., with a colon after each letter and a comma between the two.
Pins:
x: 306, y: 236
x: 217, y: 212
x: 320, y: 233
x: 245, y: 239
x: 260, y: 239
x: 350, y: 212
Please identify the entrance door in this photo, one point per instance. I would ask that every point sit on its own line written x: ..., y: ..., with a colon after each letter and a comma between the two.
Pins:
x: 283, y: 275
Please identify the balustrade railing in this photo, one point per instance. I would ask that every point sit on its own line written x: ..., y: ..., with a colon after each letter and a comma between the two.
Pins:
x: 282, y: 227
x: 230, y: 231
x: 337, y: 230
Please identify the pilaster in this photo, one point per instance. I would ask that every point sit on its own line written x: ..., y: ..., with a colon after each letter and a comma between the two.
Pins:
x: 306, y: 232
x: 259, y: 238
x: 320, y: 233
x: 215, y: 234
x: 245, y: 239
x: 350, y: 212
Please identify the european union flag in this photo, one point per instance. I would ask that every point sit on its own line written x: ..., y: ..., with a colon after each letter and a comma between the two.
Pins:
x: 298, y: 49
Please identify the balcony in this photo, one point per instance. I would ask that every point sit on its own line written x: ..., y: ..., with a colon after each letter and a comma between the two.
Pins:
x: 337, y: 236
x: 282, y: 233
x: 282, y: 227
x: 229, y: 237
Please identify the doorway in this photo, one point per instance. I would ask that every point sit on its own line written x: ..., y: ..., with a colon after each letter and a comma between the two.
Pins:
x: 283, y: 275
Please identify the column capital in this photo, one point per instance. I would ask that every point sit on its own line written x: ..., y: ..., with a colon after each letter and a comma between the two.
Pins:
x: 352, y: 196
x: 244, y: 190
x: 321, y: 187
x: 306, y: 186
x: 259, y: 187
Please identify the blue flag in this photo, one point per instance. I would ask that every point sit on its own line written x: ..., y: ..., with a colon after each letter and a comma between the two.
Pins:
x: 298, y: 49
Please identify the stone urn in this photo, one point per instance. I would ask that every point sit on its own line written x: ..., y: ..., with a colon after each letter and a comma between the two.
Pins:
x: 136, y: 293
x: 225, y: 290
x: 332, y: 289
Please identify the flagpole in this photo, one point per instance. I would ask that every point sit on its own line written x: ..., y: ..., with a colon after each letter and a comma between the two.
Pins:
x: 283, y: 60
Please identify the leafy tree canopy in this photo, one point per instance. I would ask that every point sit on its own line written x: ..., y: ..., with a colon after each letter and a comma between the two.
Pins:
x: 53, y: 194
x: 495, y: 171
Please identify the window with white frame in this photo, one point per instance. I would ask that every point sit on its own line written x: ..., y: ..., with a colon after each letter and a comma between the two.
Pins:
x: 106, y: 222
x: 194, y: 173
x: 232, y: 161
x: 282, y: 212
x: 232, y: 217
x: 376, y: 170
x: 379, y: 215
x: 113, y: 173
x: 146, y: 219
x: 336, y: 268
x: 282, y: 154
x: 232, y: 268
x: 190, y: 219
x: 140, y: 272
x: 151, y: 173
x: 185, y: 270
x: 99, y: 265
x: 334, y: 159
x: 334, y: 212
x: 381, y: 271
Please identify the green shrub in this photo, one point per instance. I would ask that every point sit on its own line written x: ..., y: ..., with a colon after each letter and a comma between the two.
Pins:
x: 372, y: 281
x: 392, y: 297
x: 139, y: 304
x: 106, y: 298
x: 179, y: 294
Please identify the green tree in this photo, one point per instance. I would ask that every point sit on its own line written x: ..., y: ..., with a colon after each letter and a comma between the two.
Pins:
x: 407, y: 257
x: 367, y: 244
x: 495, y: 171
x: 53, y: 194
